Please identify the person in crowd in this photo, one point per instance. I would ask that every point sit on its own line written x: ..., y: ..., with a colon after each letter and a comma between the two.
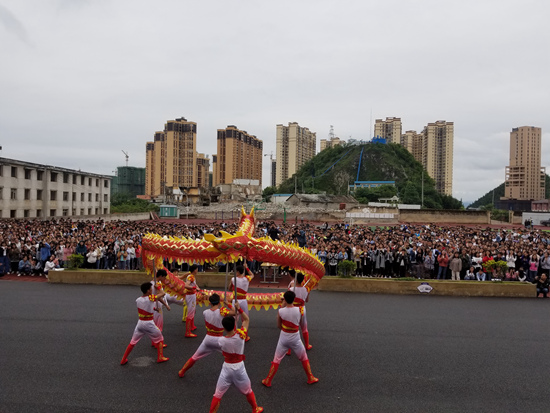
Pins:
x: 122, y: 256
x: 443, y: 261
x: 455, y: 266
x: 533, y: 268
x: 481, y: 275
x: 24, y: 267
x: 470, y: 274
x: 51, y: 264
x: 542, y: 284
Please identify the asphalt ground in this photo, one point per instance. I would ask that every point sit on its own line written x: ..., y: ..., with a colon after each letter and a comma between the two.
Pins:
x: 61, y: 345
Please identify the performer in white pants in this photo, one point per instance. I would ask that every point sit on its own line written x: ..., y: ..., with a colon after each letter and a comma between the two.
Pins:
x: 158, y: 317
x: 243, y: 283
x: 288, y: 321
x: 302, y: 297
x: 191, y: 300
x: 233, y: 370
x: 145, y: 324
x: 214, y: 330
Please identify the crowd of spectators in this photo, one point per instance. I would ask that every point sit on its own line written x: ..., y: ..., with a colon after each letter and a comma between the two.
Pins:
x: 420, y: 251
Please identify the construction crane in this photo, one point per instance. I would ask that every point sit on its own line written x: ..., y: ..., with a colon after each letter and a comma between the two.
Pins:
x: 127, y: 156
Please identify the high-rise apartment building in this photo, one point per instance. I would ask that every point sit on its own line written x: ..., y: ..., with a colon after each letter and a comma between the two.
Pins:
x: 437, y: 154
x: 413, y: 142
x: 172, y: 160
x: 129, y: 180
x: 525, y: 178
x: 389, y: 129
x: 239, y: 156
x: 295, y: 146
x: 203, y: 169
x: 330, y: 143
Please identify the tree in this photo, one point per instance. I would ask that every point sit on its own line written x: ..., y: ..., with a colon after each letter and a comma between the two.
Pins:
x: 124, y: 204
x: 267, y: 192
x: 410, y: 194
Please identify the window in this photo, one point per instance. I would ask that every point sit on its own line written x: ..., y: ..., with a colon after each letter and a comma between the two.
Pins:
x: 97, y: 182
x: 13, y: 213
x: 81, y: 211
x: 105, y: 198
x: 65, y: 178
x: 65, y: 212
x: 74, y: 197
x: 14, y: 171
x: 39, y: 175
x: 27, y: 173
x: 65, y: 197
x: 97, y: 211
x: 89, y: 181
x: 13, y: 195
x: 96, y: 197
x: 89, y: 211
x: 105, y: 211
x: 89, y: 197
x: 1, y: 170
x: 53, y: 196
x: 52, y: 212
x: 74, y: 181
x: 39, y: 194
x: 27, y: 194
x: 105, y: 183
x: 74, y: 211
x: 82, y: 197
x: 38, y: 213
x: 53, y: 178
x: 82, y: 182
x: 26, y: 213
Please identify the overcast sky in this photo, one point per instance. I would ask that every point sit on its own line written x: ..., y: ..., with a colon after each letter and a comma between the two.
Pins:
x: 82, y: 80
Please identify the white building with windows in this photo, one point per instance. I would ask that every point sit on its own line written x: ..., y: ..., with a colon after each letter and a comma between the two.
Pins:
x: 29, y: 190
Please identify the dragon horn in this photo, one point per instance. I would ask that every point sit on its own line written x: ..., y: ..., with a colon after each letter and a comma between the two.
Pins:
x: 243, y: 213
x: 252, y: 212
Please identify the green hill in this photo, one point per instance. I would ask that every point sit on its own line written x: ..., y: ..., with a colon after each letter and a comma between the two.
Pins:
x: 487, y: 199
x: 334, y: 168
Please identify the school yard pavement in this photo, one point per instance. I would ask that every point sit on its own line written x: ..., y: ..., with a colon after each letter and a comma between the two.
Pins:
x: 60, y: 348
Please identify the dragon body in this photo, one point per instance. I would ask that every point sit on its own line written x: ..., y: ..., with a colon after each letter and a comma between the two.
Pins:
x: 230, y: 248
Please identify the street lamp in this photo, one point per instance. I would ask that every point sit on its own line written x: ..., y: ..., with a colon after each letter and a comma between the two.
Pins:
x: 187, y: 205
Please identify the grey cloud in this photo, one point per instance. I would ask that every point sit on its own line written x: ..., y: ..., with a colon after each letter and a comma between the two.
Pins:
x: 13, y: 25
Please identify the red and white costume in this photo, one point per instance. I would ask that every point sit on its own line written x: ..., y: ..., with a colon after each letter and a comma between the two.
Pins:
x: 145, y: 324
x: 233, y: 370
x: 214, y: 330
x: 157, y: 315
x: 289, y: 338
x: 300, y: 301
x: 191, y: 297
x: 242, y: 289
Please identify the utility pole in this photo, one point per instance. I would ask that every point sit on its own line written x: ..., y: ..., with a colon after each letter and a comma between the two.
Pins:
x: 295, y: 184
x: 422, y: 202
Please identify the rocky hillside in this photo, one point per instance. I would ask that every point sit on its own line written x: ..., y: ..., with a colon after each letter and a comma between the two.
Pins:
x: 334, y: 168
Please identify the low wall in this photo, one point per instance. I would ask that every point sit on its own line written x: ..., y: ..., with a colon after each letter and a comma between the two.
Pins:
x: 453, y: 288
x: 362, y: 285
x: 205, y: 280
x: 138, y: 216
x: 445, y: 216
